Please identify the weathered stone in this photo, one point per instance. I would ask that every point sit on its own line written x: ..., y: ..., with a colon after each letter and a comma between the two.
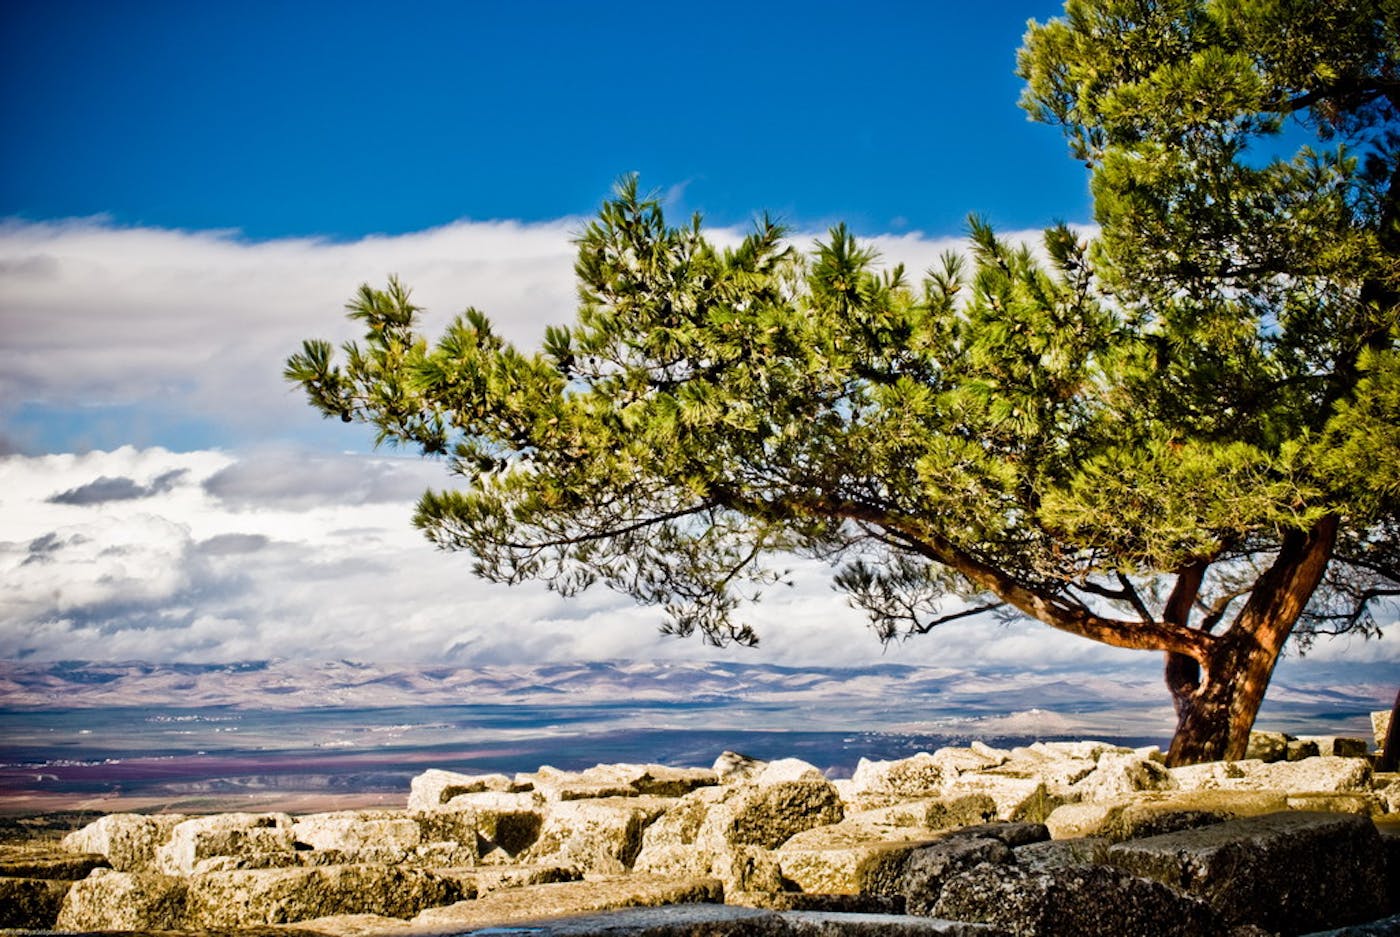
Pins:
x: 935, y: 813
x: 31, y: 903
x: 535, y: 902
x: 507, y: 824
x: 1298, y: 749
x: 128, y: 840
x: 1283, y: 871
x: 1016, y: 798
x: 732, y: 767
x: 362, y: 835
x: 432, y: 789
x: 1086, y: 901
x: 1117, y: 774
x: 281, y: 896
x: 1385, y: 788
x: 1324, y: 774
x: 602, y: 836
x: 927, y: 870
x: 1012, y: 834
x: 132, y: 901
x: 1216, y: 775
x: 229, y: 841
x: 1363, y: 805
x: 837, y: 859
x: 769, y: 815
x: 919, y: 776
x: 48, y: 862
x: 1150, y: 814
x: 1380, y: 726
x: 1087, y: 749
x: 788, y: 769
x: 836, y: 924
x: 1054, y: 853
x: 955, y: 761
x: 494, y: 878
x: 804, y: 901
x: 1266, y: 746
x: 1338, y: 746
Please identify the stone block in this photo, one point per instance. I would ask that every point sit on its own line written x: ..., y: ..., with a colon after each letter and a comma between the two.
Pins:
x: 128, y: 840
x: 1116, y: 774
x: 769, y: 815
x: 927, y: 870
x: 1054, y: 853
x: 788, y: 769
x: 1150, y: 814
x: 1298, y: 749
x: 31, y: 903
x: 600, y: 836
x: 229, y: 841
x: 1338, y: 746
x: 48, y: 862
x: 434, y: 788
x: 362, y: 835
x: 507, y: 824
x: 734, y: 768
x: 1086, y: 901
x: 124, y: 901
x: 1016, y: 798
x: 535, y: 903
x: 1266, y: 746
x: 1380, y: 725
x: 254, y: 897
x: 1285, y: 871
x: 836, y: 861
x: 919, y: 776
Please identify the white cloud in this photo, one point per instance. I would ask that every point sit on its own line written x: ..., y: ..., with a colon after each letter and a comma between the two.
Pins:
x: 145, y: 331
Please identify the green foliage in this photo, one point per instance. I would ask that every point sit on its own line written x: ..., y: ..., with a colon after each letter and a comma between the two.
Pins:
x: 1057, y: 428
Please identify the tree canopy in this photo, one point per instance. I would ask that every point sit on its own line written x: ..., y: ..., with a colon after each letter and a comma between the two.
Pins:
x: 1180, y: 435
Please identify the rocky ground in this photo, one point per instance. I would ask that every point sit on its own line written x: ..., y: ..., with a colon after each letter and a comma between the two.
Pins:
x: 1077, y: 838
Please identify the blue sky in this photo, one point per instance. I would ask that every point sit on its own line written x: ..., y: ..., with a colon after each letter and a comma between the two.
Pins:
x: 343, y: 119
x: 187, y: 190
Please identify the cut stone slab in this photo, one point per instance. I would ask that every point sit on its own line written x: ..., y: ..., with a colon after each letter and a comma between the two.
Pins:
x: 283, y: 896
x: 1284, y: 871
x: 229, y: 841
x: 388, y: 836
x: 31, y: 903
x: 769, y: 815
x: 1151, y: 814
x: 1086, y: 901
x: 538, y: 902
x: 54, y: 863
x: 1016, y: 798
x: 128, y: 901
x: 128, y: 840
x: 434, y: 788
x: 840, y: 868
x: 602, y: 836
x: 926, y: 871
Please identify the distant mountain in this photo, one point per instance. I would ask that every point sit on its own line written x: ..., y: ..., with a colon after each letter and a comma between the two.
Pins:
x: 892, y: 697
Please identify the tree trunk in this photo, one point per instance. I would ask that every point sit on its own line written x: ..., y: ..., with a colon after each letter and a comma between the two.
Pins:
x: 1217, y: 698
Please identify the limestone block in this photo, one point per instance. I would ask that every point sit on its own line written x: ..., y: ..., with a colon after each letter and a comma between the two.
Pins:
x: 1150, y: 814
x: 747, y: 869
x: 1338, y: 746
x: 130, y: 901
x: 229, y: 840
x: 1217, y: 775
x: 842, y: 869
x: 1324, y: 774
x: 1380, y: 726
x: 788, y: 769
x: 252, y: 897
x: 768, y: 815
x: 128, y: 840
x: 1016, y: 798
x: 1290, y: 872
x: 663, y: 781
x: 1055, y: 853
x: 1087, y: 901
x: 362, y: 835
x: 506, y: 823
x: 733, y: 768
x: 1298, y: 749
x: 600, y: 893
x: 934, y: 813
x: 903, y: 779
x: 31, y: 903
x: 53, y: 863
x: 1117, y: 774
x: 495, y: 878
x: 432, y: 789
x: 955, y: 761
x: 601, y: 836
x: 1266, y: 746
x: 998, y: 755
x: 927, y: 870
x: 1077, y: 751
x: 1362, y: 805
x: 447, y: 837
x: 1385, y: 788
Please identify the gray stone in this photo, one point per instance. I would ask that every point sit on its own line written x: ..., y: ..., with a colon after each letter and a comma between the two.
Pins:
x: 282, y: 896
x: 926, y: 871
x: 1085, y: 901
x: 1012, y: 834
x: 1054, y: 853
x: 131, y: 901
x: 1386, y: 927
x: 1283, y: 871
x: 128, y: 840
x: 31, y: 903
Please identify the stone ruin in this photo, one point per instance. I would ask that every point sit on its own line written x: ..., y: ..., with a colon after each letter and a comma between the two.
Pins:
x: 1055, y: 838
